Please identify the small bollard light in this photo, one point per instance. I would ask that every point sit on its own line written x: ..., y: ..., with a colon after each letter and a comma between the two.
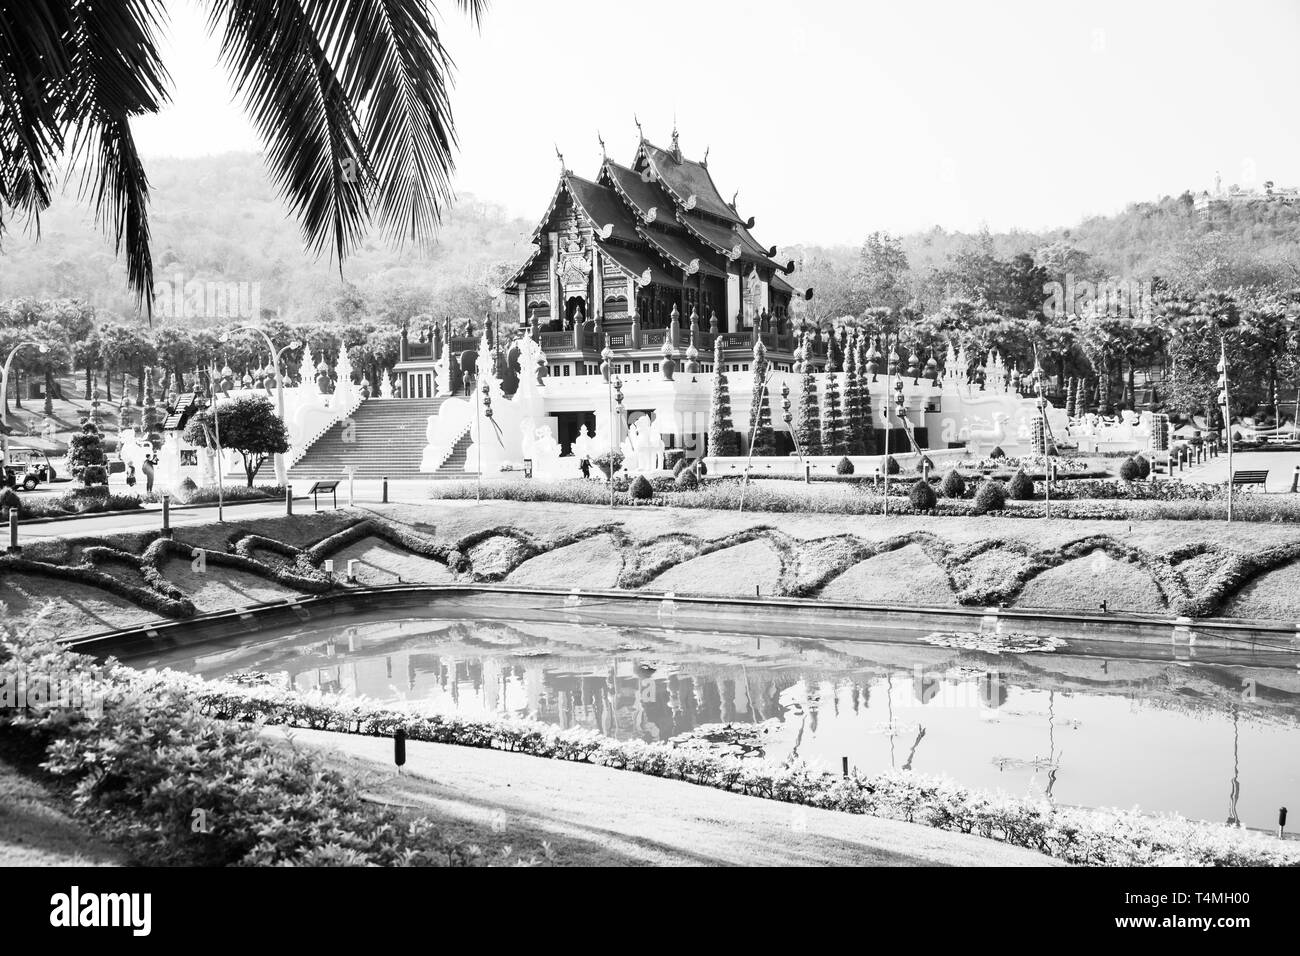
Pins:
x: 385, y: 488
x: 807, y: 473
x: 167, y: 515
x: 288, y: 500
x: 399, y: 748
x: 13, y: 531
x: 352, y: 570
x: 845, y: 762
x: 1281, y: 823
x: 329, y: 567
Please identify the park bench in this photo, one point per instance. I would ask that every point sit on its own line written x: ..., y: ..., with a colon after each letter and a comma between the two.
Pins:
x: 1248, y: 478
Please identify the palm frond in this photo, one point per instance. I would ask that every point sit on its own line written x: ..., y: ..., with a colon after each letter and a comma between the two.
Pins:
x: 116, y: 74
x: 351, y: 97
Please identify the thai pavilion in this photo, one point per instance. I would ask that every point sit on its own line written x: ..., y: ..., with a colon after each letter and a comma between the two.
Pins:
x: 616, y: 256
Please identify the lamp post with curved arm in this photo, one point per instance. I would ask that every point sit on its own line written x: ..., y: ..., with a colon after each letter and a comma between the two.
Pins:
x: 281, y: 472
x: 4, y: 389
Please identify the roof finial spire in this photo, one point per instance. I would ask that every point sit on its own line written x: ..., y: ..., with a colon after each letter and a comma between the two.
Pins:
x: 705, y: 160
x: 677, y: 149
x: 559, y: 155
x: 733, y: 199
x: 639, y: 132
x: 603, y: 155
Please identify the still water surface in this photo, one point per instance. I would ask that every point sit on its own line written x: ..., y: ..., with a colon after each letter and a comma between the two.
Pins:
x: 1088, y: 725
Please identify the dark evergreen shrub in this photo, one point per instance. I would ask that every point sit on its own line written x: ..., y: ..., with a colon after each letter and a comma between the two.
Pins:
x: 1021, y: 487
x: 922, y: 496
x: 844, y: 467
x: 891, y: 465
x: 640, y: 489
x: 686, y: 481
x: 997, y: 453
x: 991, y: 495
x: 954, y: 485
x: 1129, y: 469
x: 1144, y: 467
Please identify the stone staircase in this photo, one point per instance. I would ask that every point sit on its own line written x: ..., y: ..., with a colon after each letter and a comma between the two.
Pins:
x: 389, y: 441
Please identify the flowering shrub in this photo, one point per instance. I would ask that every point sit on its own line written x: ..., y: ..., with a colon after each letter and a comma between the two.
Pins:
x: 144, y: 761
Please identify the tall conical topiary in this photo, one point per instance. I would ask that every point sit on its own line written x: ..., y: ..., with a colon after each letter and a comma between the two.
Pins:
x: 809, y: 433
x: 864, y: 381
x: 86, y: 455
x: 760, y: 408
x: 832, y: 418
x: 853, y: 381
x: 722, y: 433
x: 834, y: 354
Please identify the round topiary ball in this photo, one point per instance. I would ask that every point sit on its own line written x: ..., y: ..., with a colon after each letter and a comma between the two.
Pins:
x: 1144, y: 466
x: 991, y: 495
x: 1021, y: 488
x: 922, y: 496
x: 953, y: 485
x: 1130, y: 470
x: 686, y: 481
x: 844, y: 467
x: 641, y: 489
x: 997, y: 453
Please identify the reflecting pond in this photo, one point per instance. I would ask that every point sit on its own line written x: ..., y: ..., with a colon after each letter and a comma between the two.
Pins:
x: 1086, y: 724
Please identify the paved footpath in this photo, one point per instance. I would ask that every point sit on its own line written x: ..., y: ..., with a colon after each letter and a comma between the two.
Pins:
x: 364, y: 493
x: 1280, y: 466
x: 598, y: 815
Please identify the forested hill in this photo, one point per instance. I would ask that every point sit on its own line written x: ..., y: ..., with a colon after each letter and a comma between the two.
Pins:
x: 218, y: 218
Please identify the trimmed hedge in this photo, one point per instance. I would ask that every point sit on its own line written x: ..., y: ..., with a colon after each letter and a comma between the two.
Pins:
x: 991, y: 495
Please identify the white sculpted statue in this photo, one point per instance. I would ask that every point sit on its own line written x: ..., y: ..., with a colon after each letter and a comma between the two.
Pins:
x: 643, y: 449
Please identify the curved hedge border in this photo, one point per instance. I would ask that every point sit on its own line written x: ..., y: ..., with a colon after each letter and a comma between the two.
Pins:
x: 806, y: 566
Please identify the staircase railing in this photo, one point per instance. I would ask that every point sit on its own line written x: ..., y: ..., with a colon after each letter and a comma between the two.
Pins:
x: 299, y: 451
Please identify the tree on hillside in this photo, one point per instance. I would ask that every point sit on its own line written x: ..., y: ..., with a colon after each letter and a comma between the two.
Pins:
x: 350, y: 98
x: 247, y: 425
x: 881, y: 278
x: 178, y: 351
x: 722, y: 433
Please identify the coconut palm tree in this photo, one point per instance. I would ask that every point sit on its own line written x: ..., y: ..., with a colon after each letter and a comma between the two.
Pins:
x: 350, y: 98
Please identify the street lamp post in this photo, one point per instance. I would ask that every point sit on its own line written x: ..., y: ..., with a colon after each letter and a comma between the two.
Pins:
x: 281, y: 472
x: 4, y: 390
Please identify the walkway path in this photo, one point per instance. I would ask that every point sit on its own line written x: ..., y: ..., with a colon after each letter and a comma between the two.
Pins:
x: 597, y: 816
x: 1280, y: 466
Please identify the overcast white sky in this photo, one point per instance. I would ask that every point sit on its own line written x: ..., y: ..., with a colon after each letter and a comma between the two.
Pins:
x: 837, y: 118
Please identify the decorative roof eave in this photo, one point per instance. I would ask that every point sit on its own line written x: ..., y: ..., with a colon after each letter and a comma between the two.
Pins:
x: 732, y: 254
x: 644, y: 215
x: 560, y: 188
x: 651, y: 274
x: 528, y: 264
x: 690, y: 202
x: 604, y: 230
x: 689, y: 266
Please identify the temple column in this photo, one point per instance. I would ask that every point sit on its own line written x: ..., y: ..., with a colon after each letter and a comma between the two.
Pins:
x: 733, y: 299
x: 597, y: 284
x: 523, y: 306
x: 557, y: 307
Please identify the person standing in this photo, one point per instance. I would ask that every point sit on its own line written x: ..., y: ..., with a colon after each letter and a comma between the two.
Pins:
x: 147, y: 469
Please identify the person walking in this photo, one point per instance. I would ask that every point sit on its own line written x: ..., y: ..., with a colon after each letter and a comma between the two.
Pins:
x: 147, y: 468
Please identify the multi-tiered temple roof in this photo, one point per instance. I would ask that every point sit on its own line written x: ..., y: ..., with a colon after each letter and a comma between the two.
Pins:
x: 637, y: 241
